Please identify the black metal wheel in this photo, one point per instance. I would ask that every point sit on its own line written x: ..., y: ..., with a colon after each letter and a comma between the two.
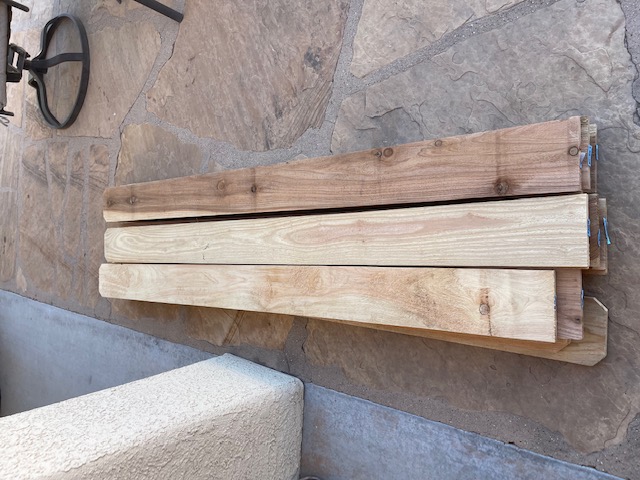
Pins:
x: 40, y: 64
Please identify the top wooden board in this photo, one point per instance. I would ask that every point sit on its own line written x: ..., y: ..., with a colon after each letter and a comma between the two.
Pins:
x: 520, y: 161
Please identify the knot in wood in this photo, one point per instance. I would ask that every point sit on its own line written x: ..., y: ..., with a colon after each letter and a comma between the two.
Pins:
x: 133, y: 199
x: 438, y: 143
x: 484, y: 309
x: 254, y: 189
x: 221, y: 185
x: 388, y: 152
x: 109, y: 202
x: 573, y: 151
x: 501, y: 188
x: 378, y: 153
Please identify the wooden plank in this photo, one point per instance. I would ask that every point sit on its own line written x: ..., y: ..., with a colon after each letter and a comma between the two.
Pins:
x: 603, y: 268
x: 588, y: 351
x: 532, y: 232
x: 585, y: 138
x: 569, y: 300
x: 516, y: 304
x: 519, y: 161
x: 594, y: 225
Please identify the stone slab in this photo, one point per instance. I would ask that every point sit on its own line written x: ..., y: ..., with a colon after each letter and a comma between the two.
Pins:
x: 389, y: 29
x: 232, y: 327
x: 478, y: 84
x: 37, y: 252
x: 122, y: 58
x: 150, y: 153
x: 259, y: 78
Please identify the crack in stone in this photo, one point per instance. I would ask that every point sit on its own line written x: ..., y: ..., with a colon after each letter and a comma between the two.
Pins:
x: 635, y: 88
x: 487, y: 23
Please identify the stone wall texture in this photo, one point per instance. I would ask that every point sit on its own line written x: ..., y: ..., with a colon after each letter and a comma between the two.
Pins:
x: 253, y: 83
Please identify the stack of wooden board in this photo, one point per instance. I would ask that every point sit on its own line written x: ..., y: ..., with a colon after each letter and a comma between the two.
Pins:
x: 479, y: 239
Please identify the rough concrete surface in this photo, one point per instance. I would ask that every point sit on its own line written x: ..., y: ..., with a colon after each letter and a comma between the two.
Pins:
x: 281, y: 87
x: 223, y: 418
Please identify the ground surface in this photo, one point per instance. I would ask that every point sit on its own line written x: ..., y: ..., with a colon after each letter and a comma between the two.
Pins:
x: 258, y: 82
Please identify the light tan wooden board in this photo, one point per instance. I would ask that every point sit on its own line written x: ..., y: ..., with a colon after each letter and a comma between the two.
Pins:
x: 585, y: 138
x: 588, y: 351
x: 594, y: 225
x: 527, y: 160
x: 603, y: 269
x: 535, y: 232
x: 515, y: 304
x: 569, y: 300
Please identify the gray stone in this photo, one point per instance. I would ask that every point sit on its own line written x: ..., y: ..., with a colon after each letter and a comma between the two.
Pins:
x: 151, y: 153
x: 389, y: 29
x: 48, y: 354
x: 37, y: 247
x: 96, y: 226
x: 531, y: 70
x: 260, y: 76
x: 346, y: 437
x: 122, y: 59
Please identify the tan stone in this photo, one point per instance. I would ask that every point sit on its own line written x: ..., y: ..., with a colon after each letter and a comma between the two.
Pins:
x: 73, y: 211
x: 35, y: 126
x: 8, y: 230
x: 260, y: 76
x: 231, y: 327
x: 57, y: 161
x: 37, y: 251
x: 151, y: 153
x: 98, y: 180
x: 39, y: 12
x: 389, y: 30
x: 21, y: 282
x: 122, y: 59
x: 153, y: 318
x: 10, y: 153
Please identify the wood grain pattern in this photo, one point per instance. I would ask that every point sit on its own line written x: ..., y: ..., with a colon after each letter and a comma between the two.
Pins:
x: 594, y: 225
x: 518, y: 161
x: 569, y: 301
x: 603, y: 268
x: 585, y: 138
x: 516, y: 304
x: 532, y: 232
x: 588, y: 351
